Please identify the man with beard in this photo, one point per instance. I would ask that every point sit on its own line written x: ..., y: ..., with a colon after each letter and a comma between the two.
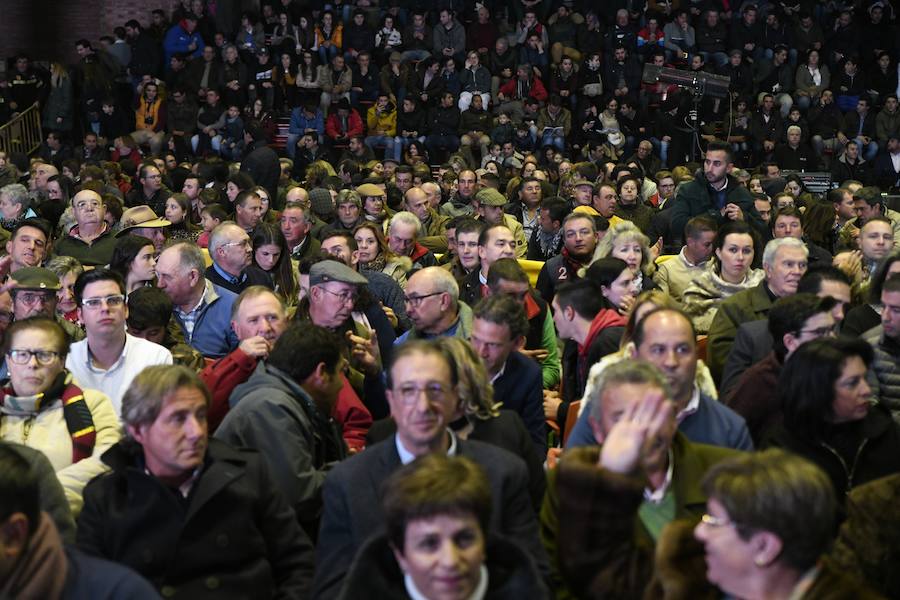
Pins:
x: 715, y: 193
x: 579, y: 240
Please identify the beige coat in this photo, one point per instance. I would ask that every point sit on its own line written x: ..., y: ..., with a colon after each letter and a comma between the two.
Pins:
x: 48, y: 433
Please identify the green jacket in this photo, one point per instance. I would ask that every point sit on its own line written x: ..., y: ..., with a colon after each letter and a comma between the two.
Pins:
x: 693, y: 199
x: 745, y: 306
x: 606, y: 551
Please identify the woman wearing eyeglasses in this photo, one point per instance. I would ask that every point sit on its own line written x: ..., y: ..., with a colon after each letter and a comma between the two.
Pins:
x: 41, y: 407
x: 769, y: 519
x: 830, y: 417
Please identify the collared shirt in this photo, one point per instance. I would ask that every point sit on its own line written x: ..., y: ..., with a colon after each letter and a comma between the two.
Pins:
x: 407, y: 457
x: 234, y: 280
x: 137, y: 354
x: 296, y: 250
x: 189, y: 318
x: 656, y: 496
x: 688, y: 263
x: 692, y: 406
x: 500, y: 372
x: 185, y: 488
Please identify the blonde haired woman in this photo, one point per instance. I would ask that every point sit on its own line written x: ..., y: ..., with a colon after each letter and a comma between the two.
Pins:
x: 625, y: 241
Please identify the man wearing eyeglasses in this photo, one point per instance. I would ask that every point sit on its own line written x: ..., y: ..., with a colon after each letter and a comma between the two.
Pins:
x: 434, y: 307
x: 108, y: 359
x: 424, y: 400
x: 332, y: 299
x: 231, y: 252
x: 793, y: 320
x: 34, y: 295
x: 91, y: 241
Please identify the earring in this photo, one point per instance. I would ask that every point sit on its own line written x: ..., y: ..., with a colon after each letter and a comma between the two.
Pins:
x: 759, y: 562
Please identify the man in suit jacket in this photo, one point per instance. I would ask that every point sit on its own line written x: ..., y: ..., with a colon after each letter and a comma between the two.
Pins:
x: 499, y: 328
x: 423, y: 399
x: 751, y: 344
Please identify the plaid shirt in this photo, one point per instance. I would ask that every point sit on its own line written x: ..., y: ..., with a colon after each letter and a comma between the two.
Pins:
x: 189, y: 319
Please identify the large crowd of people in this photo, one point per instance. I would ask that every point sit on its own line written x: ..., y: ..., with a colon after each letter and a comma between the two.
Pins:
x: 391, y: 300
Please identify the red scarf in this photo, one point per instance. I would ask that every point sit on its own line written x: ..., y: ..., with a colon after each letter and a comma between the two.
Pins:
x: 607, y: 317
x: 78, y: 417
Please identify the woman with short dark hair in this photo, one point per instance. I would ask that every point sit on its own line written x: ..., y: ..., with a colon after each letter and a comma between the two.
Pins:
x: 437, y: 513
x: 830, y: 416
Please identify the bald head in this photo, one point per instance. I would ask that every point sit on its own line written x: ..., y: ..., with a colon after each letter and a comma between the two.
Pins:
x: 417, y: 202
x: 297, y: 194
x: 42, y: 173
x: 88, y: 208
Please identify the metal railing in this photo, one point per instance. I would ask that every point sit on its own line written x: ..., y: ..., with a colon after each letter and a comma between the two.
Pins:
x: 22, y: 133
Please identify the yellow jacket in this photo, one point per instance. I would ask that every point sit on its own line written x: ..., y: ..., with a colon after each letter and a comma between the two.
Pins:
x: 382, y: 124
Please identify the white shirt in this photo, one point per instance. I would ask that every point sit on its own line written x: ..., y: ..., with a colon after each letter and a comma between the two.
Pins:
x: 407, y: 457
x: 137, y: 354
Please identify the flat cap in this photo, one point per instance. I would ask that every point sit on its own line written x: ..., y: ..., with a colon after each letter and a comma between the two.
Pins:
x: 370, y: 189
x: 490, y: 197
x: 332, y: 270
x: 320, y: 201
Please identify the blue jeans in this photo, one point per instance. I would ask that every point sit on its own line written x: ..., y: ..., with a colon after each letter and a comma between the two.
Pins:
x: 327, y: 53
x: 391, y: 150
x: 436, y: 142
x: 867, y: 151
x: 290, y: 145
x: 557, y: 141
x: 720, y: 58
x: 662, y: 148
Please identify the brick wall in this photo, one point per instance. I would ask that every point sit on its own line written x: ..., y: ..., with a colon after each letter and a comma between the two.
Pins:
x: 48, y: 29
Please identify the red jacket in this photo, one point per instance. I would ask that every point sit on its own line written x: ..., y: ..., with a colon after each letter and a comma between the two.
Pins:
x: 537, y: 91
x: 333, y: 125
x: 222, y: 376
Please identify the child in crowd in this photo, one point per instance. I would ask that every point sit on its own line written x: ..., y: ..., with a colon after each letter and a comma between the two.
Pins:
x: 210, y: 217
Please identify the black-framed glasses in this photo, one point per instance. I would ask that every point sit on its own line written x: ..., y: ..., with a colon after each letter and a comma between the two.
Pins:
x: 21, y: 356
x: 112, y: 301
x: 820, y: 331
x: 415, y: 301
